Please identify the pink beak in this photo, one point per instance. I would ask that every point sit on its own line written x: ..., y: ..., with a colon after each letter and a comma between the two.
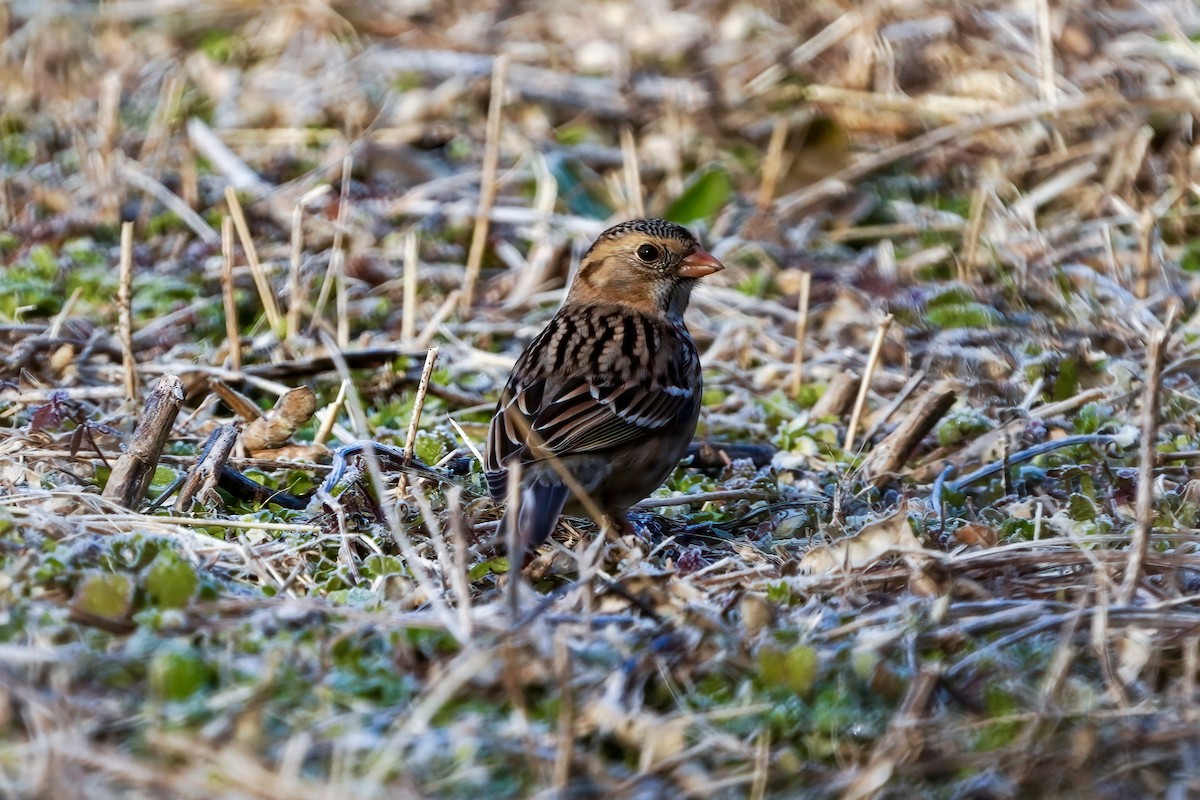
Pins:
x: 697, y: 264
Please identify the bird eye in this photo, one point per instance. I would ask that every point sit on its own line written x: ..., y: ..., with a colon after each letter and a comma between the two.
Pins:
x: 648, y: 253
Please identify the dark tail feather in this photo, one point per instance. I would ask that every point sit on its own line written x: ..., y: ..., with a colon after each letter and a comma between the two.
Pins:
x: 541, y: 505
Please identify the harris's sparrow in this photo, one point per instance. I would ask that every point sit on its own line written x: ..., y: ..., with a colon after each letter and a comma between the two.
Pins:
x: 610, y: 389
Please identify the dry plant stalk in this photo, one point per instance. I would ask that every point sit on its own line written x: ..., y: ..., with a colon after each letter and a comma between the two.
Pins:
x: 410, y: 440
x: 772, y: 166
x: 240, y: 176
x: 1145, y: 262
x: 512, y: 542
x: 487, y: 182
x: 232, y: 335
x: 408, y: 319
x: 900, y: 398
x: 238, y: 403
x: 341, y: 300
x: 700, y: 498
x: 565, y: 745
x: 334, y: 271
x: 801, y: 334
x: 132, y: 173
x: 969, y: 259
x: 1147, y: 451
x: 435, y: 322
x: 762, y: 765
x: 1045, y: 53
x: 330, y: 417
x: 457, y: 581
x: 265, y: 292
x: 133, y: 471
x: 861, y: 401
x: 460, y: 577
x: 125, y: 313
x: 296, y: 288
x: 632, y: 173
x: 56, y: 325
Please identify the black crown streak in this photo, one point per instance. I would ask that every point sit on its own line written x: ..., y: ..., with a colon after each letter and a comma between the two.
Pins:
x: 659, y: 228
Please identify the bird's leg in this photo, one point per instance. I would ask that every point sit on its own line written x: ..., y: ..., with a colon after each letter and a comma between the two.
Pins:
x: 617, y: 525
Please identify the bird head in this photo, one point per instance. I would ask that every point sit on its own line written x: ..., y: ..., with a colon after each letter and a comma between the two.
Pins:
x: 651, y: 264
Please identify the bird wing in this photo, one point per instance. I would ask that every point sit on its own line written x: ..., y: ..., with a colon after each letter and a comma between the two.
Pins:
x: 585, y: 412
x: 585, y: 416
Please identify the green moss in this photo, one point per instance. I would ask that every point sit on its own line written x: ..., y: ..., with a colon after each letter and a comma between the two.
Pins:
x: 966, y: 315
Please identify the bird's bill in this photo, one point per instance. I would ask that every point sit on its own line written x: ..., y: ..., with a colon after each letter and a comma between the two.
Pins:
x: 699, y: 263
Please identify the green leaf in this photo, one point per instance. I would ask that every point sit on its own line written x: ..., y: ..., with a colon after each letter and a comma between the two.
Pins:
x: 177, y: 674
x: 495, y: 566
x: 104, y: 594
x: 960, y: 425
x: 1190, y: 260
x: 378, y: 565
x: 779, y: 593
x: 428, y: 447
x: 795, y: 669
x: 163, y: 477
x: 170, y: 581
x: 1081, y: 508
x: 702, y: 198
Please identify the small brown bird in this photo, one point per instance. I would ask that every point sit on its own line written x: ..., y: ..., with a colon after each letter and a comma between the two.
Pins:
x: 610, y: 390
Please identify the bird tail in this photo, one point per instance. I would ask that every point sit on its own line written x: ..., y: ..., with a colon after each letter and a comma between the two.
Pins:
x: 541, y: 504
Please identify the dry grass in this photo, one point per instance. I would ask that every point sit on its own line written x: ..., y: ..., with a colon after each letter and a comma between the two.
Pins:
x: 992, y: 200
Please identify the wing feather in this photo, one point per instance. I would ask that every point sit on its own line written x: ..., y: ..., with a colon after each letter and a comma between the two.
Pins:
x: 561, y: 392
